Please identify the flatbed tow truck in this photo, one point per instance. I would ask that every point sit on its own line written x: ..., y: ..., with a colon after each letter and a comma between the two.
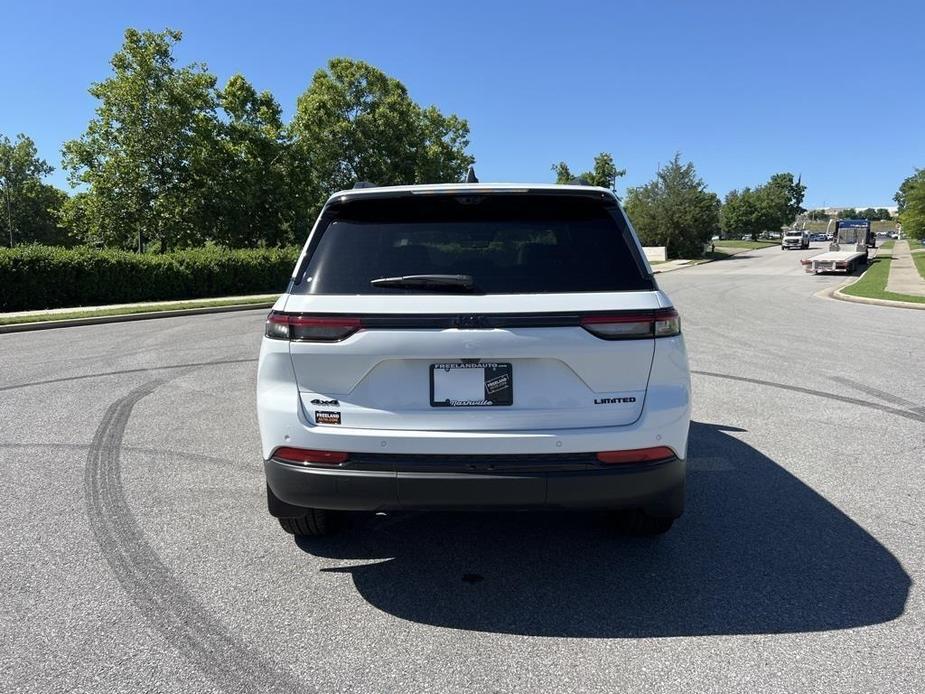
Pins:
x: 851, y: 239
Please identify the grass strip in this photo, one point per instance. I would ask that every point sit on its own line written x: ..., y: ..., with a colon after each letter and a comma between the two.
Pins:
x: 872, y: 284
x: 918, y: 257
x: 740, y: 243
x: 126, y: 311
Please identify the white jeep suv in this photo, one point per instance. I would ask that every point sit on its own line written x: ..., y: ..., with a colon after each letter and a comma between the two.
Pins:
x: 473, y: 346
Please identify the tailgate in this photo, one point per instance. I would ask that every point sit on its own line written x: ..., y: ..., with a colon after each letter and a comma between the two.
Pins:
x: 404, y: 371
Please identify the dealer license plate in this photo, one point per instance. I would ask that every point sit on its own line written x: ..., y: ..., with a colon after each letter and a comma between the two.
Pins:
x: 482, y: 384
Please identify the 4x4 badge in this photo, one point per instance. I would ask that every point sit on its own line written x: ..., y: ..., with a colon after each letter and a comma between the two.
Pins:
x: 326, y: 403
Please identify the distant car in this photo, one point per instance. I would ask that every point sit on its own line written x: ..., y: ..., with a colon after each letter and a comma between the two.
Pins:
x: 747, y: 237
x: 894, y: 235
x: 714, y: 238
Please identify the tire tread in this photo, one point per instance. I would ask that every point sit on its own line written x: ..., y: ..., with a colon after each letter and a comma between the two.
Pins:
x: 314, y: 523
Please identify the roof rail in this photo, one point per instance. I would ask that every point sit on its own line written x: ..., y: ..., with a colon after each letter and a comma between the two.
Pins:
x: 364, y: 184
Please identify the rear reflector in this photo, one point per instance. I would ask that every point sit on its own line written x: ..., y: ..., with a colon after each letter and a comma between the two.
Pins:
x: 639, y: 455
x: 293, y: 326
x: 304, y: 455
x: 631, y: 325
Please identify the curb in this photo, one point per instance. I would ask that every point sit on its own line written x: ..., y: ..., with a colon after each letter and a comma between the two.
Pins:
x: 697, y: 262
x: 128, y: 317
x: 836, y: 293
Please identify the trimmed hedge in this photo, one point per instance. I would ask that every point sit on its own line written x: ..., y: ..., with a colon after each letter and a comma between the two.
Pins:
x: 39, y: 277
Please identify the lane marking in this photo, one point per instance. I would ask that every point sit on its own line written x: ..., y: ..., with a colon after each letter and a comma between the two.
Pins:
x: 161, y: 597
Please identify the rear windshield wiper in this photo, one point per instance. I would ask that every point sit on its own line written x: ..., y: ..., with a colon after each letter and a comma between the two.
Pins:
x: 462, y: 282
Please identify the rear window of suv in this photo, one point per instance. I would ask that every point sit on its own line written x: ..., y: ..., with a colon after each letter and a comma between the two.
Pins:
x: 508, y: 244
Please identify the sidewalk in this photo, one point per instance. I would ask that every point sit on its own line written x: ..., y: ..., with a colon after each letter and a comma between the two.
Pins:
x: 670, y: 265
x: 904, y: 277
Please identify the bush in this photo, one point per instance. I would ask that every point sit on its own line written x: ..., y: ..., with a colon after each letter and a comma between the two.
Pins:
x: 38, y: 277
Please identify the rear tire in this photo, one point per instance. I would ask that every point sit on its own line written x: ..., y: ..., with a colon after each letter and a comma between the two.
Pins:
x: 638, y: 523
x: 315, y: 523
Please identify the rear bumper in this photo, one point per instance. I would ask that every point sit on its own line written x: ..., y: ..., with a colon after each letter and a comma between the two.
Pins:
x: 656, y: 487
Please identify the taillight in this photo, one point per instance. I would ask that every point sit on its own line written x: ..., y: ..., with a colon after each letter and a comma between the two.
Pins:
x: 304, y: 455
x: 639, y: 455
x: 293, y: 326
x: 663, y: 322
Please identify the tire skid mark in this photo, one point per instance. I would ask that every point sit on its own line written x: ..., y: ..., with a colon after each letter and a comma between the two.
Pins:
x: 916, y: 416
x: 161, y: 598
x: 877, y: 393
x: 66, y: 379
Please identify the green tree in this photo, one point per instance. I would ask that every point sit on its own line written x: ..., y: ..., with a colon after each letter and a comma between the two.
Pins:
x: 747, y: 212
x: 30, y: 207
x: 783, y: 197
x: 144, y: 157
x: 883, y: 214
x: 604, y: 173
x: 911, y: 201
x: 906, y: 187
x: 564, y: 174
x: 674, y: 210
x: 355, y: 123
x: 849, y: 213
x: 739, y: 214
x: 766, y: 208
x: 249, y: 199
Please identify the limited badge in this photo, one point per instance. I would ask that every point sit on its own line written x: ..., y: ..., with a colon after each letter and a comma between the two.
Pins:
x: 327, y: 417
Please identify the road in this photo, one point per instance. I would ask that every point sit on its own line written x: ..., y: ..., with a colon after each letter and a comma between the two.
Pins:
x: 136, y: 553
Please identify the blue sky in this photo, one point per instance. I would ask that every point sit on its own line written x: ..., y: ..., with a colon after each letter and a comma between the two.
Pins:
x: 832, y: 90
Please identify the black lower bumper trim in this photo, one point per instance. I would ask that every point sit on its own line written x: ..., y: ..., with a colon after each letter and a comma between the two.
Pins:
x: 656, y: 487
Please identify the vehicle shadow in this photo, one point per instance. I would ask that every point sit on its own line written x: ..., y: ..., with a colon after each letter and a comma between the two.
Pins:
x: 756, y: 552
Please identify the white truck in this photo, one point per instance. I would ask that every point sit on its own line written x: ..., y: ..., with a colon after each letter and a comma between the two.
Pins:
x: 794, y: 238
x: 851, y: 239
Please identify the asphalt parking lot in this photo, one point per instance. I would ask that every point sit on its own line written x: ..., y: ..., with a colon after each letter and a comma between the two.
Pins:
x: 136, y: 553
